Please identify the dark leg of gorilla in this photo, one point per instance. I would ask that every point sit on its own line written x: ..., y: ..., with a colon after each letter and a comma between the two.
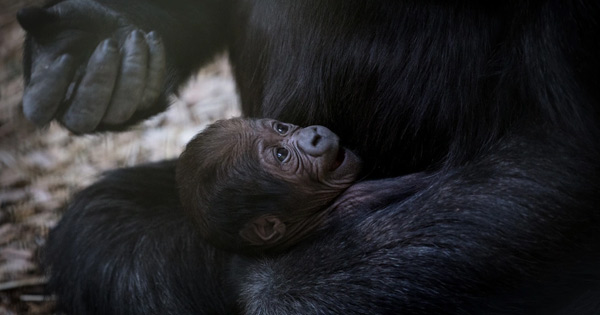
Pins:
x: 123, y: 246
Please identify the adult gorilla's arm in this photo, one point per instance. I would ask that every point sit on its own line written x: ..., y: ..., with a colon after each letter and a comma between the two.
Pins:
x: 107, y: 64
x: 499, y: 235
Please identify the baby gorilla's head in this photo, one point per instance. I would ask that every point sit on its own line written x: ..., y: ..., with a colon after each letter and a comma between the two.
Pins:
x: 256, y: 185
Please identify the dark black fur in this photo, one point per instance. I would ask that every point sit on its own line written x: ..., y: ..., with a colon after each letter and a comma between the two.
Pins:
x: 138, y: 253
x: 500, y: 101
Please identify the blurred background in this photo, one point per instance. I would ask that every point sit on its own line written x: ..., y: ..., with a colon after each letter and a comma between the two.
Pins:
x: 40, y: 168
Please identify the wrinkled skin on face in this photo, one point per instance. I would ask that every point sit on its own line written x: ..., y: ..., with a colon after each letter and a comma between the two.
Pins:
x: 255, y: 185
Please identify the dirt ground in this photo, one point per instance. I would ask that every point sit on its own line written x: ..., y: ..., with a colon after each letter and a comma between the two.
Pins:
x: 40, y: 168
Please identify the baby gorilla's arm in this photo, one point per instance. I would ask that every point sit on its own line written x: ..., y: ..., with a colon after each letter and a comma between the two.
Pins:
x: 371, y: 194
x: 362, y: 196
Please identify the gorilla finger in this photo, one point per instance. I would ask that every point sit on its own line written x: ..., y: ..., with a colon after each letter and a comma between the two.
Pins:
x: 83, y: 15
x: 33, y: 19
x: 93, y: 94
x: 131, y: 80
x: 46, y: 90
x: 156, y: 71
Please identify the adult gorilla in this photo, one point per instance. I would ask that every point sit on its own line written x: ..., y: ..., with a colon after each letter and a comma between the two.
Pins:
x: 499, y: 101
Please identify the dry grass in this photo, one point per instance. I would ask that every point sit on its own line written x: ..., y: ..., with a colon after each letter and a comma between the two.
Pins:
x: 41, y: 169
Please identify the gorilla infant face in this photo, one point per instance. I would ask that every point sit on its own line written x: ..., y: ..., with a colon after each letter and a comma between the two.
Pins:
x: 262, y: 183
x: 309, y: 157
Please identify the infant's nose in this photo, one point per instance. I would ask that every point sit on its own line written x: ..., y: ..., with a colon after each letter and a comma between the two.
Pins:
x: 317, y: 140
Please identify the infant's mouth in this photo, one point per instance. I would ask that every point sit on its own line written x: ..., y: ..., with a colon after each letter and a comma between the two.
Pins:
x: 339, y: 158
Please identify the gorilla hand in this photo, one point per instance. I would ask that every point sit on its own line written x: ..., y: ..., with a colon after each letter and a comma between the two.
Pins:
x: 87, y: 66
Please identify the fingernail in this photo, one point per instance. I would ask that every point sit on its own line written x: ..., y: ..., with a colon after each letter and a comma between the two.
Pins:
x: 62, y: 58
x: 152, y: 36
x: 135, y: 35
x: 109, y: 44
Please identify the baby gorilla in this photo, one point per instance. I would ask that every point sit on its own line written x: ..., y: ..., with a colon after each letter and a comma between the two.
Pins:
x: 255, y: 186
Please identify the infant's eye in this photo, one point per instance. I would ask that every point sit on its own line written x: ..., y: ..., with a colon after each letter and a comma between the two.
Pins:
x: 281, y: 128
x: 281, y: 154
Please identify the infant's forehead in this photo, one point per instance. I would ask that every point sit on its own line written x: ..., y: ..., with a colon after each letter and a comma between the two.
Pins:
x: 248, y: 131
x: 238, y: 138
x: 242, y: 137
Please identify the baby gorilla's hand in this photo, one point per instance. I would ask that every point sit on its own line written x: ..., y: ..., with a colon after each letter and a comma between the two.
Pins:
x: 87, y: 66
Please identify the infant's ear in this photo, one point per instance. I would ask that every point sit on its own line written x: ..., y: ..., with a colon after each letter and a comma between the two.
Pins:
x: 265, y: 230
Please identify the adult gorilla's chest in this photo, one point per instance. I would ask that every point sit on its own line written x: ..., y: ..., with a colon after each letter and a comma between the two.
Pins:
x: 388, y: 85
